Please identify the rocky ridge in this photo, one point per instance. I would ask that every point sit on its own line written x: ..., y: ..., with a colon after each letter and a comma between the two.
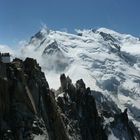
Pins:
x: 30, y: 110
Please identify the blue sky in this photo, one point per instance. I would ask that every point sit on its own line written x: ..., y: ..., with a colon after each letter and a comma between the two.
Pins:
x: 20, y: 19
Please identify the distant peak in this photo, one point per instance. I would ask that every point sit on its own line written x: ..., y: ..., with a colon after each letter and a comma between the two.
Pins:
x: 108, y: 31
x: 45, y: 30
x: 85, y: 32
x: 94, y: 30
x: 42, y: 33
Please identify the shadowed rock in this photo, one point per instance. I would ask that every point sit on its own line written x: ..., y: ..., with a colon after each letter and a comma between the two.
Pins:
x: 29, y: 109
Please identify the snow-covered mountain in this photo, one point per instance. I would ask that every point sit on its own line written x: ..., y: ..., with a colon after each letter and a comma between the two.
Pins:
x: 106, y: 60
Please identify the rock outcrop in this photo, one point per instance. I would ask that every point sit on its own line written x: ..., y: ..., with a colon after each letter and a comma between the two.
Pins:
x: 27, y: 106
x: 30, y: 110
x: 90, y: 116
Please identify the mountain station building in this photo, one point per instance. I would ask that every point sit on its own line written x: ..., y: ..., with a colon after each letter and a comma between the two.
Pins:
x: 5, y: 57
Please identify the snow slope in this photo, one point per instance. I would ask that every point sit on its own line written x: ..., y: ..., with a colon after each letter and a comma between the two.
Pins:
x: 106, y: 60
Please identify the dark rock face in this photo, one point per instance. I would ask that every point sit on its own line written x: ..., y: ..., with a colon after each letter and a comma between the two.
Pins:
x: 85, y: 114
x: 53, y: 63
x: 27, y: 107
x: 107, y: 37
x: 30, y: 110
x: 52, y: 48
x: 79, y: 108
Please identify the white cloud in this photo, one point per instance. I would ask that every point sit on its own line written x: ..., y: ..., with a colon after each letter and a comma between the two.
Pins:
x: 5, y: 49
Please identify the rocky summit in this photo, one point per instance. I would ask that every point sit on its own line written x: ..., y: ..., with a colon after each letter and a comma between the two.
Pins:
x: 30, y: 110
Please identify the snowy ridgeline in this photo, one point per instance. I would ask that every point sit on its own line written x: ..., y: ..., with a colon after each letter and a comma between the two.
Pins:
x: 106, y: 60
